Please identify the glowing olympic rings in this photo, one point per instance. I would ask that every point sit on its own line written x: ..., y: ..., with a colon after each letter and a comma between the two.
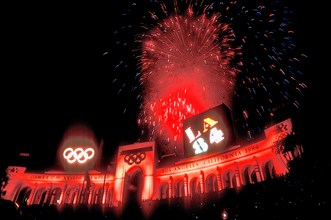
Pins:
x: 79, y: 154
x: 134, y: 158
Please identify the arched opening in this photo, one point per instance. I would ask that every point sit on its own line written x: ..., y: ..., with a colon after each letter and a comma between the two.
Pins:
x: 179, y: 189
x: 55, y: 196
x: 133, y: 186
x: 229, y: 179
x: 39, y: 196
x: 97, y: 199
x: 71, y: 196
x: 43, y: 199
x: 211, y: 183
x: 23, y: 196
x: 164, y: 191
x: 84, y: 196
x: 67, y: 196
x: 269, y: 170
x: 195, y: 187
x: 249, y: 175
x: 132, y: 193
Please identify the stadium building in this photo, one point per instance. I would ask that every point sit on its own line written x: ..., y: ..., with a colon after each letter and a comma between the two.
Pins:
x: 213, y: 162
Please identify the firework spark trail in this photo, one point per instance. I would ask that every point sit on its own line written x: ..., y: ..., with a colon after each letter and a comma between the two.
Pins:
x: 268, y: 81
x: 185, y: 70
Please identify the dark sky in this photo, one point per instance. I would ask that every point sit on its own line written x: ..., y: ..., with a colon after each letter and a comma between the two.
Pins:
x: 59, y: 63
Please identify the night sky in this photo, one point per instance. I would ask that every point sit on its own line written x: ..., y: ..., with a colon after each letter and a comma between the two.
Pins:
x: 63, y: 64
x: 61, y: 61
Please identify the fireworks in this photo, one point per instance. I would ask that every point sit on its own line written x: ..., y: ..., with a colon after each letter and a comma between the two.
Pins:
x: 195, y: 56
x: 270, y: 83
x: 185, y: 70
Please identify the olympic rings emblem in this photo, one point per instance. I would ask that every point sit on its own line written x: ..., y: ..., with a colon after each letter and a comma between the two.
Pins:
x: 134, y: 158
x: 79, y: 154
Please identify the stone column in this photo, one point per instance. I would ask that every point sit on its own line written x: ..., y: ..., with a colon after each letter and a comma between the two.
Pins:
x: 105, y: 190
x: 185, y: 185
x: 47, y: 195
x: 76, y: 194
x: 237, y: 175
x: 257, y: 169
x: 219, y: 179
x: 202, y: 182
x: 33, y: 195
x: 90, y: 196
x: 170, y: 186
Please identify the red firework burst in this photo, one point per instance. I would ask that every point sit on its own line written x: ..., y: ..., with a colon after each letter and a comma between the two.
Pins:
x: 185, y: 70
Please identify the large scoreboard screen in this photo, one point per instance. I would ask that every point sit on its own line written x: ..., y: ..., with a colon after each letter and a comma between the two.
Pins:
x: 209, y: 131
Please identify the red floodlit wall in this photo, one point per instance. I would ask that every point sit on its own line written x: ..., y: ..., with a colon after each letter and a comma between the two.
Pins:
x: 239, y: 166
x: 136, y: 172
x: 140, y: 155
x: 58, y: 188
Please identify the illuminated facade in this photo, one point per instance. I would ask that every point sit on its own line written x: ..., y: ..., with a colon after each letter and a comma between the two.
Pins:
x: 214, y: 163
x: 137, y: 171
